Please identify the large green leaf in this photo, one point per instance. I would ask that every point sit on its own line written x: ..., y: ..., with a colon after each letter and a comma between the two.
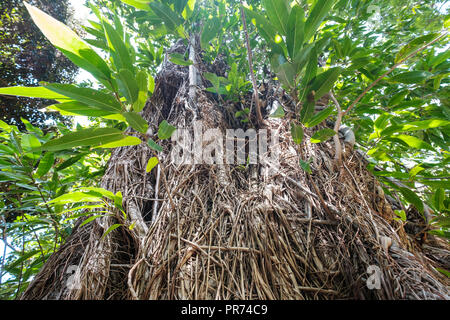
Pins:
x: 412, y: 197
x: 287, y: 74
x: 33, y: 92
x: 70, y: 44
x: 307, y: 111
x: 143, y: 87
x: 412, y: 141
x: 210, y: 31
x: 45, y: 164
x: 118, y: 50
x: 75, y: 108
x: 136, y: 121
x: 126, y: 141
x: 411, y: 77
x: 319, y: 117
x: 172, y: 20
x: 87, y: 137
x: 414, y: 45
x: 267, y: 30
x: 278, y: 13
x: 128, y: 85
x: 324, y: 82
x: 76, y: 197
x: 295, y: 31
x: 91, y: 97
x: 320, y: 10
x: 71, y: 161
x: 415, y: 126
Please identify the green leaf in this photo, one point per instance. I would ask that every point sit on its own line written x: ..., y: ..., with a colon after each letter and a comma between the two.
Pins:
x: 91, y: 97
x: 319, y: 117
x: 75, y: 108
x: 443, y: 56
x: 45, y: 164
x: 136, y: 121
x: 412, y: 141
x: 178, y: 58
x: 138, y: 4
x: 411, y: 77
x: 307, y: 111
x: 165, y: 130
x: 444, y: 272
x: 297, y: 133
x: 151, y: 83
x: 311, y: 69
x: 210, y: 31
x: 70, y: 44
x: 398, y: 97
x: 86, y: 137
x: 278, y: 13
x: 105, y: 193
x: 295, y: 31
x: 320, y: 10
x: 413, y: 46
x: 266, y: 29
x: 126, y: 141
x: 142, y: 82
x: 118, y: 49
x: 415, y: 126
x: 305, y: 166
x: 113, y: 227
x: 412, y: 197
x: 128, y: 85
x: 153, y: 162
x: 438, y: 199
x: 32, y: 92
x: 172, y: 20
x: 30, y: 142
x: 70, y: 161
x: 118, y: 200
x: 279, y: 113
x: 322, y: 135
x: 287, y: 74
x: 76, y: 197
x: 401, y: 214
x: 324, y: 82
x: 154, y: 146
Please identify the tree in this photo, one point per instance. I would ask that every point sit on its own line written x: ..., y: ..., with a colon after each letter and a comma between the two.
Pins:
x: 313, y: 225
x: 28, y: 58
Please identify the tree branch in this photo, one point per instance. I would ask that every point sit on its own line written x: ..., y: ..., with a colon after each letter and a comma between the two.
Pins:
x: 250, y: 64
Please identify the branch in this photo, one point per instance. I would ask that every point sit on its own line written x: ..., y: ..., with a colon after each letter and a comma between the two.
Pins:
x: 250, y: 64
x: 392, y: 69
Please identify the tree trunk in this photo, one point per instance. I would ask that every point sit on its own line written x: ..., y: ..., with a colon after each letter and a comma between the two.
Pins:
x: 241, y: 232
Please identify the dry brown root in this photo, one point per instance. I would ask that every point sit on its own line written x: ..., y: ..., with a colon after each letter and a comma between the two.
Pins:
x: 243, y: 232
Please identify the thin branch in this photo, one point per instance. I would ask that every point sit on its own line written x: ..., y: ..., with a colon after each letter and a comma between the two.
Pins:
x: 250, y: 64
x: 392, y: 69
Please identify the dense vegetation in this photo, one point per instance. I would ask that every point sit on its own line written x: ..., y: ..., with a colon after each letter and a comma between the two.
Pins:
x: 382, y: 67
x: 27, y: 58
